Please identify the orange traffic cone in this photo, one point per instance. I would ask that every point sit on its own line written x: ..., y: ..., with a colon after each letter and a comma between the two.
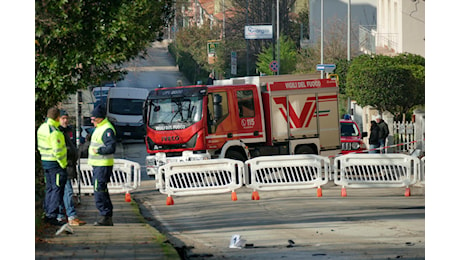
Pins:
x: 319, y: 192
x: 234, y: 196
x: 344, y: 192
x: 169, y: 201
x: 255, y: 195
x: 127, y: 197
x: 407, y: 193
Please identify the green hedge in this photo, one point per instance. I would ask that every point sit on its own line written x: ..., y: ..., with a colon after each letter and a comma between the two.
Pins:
x: 188, y: 66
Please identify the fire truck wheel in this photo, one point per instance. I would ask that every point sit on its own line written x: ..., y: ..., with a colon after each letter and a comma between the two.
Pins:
x: 235, y: 155
x: 304, y: 149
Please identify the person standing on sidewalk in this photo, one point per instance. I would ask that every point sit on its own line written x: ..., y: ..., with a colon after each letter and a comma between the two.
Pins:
x: 374, y: 138
x: 53, y: 152
x: 72, y: 157
x: 383, y: 132
x: 101, y: 156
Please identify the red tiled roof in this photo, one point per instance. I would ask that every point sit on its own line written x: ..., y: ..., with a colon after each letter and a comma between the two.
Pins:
x: 208, y: 6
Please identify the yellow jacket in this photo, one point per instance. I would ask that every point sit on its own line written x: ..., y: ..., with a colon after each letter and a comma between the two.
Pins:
x: 51, y: 144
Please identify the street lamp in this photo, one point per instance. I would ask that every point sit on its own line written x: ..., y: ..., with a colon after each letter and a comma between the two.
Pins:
x: 322, y: 37
x: 278, y: 35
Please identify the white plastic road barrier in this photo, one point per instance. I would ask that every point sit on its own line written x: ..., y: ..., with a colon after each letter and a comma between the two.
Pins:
x: 125, y: 178
x: 285, y: 172
x: 200, y: 177
x: 422, y: 170
x: 376, y: 171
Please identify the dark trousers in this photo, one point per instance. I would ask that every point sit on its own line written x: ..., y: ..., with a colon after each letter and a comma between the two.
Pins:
x: 55, y: 180
x: 382, y: 144
x: 101, y: 176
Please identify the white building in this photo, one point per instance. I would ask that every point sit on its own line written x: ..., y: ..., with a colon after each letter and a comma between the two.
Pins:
x: 400, y: 28
x: 363, y: 12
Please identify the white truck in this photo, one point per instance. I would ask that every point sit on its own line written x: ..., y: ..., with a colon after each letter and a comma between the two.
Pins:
x: 124, y: 111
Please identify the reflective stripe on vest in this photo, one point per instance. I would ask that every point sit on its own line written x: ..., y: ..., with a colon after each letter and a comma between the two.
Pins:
x: 96, y: 142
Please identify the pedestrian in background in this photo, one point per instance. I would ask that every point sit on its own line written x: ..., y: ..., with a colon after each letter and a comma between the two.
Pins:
x: 53, y: 152
x: 72, y: 157
x: 383, y: 132
x: 210, y: 79
x: 374, y: 137
x: 100, y: 156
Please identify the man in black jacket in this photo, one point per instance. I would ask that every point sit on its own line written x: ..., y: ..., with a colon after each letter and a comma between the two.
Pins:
x: 72, y: 157
x: 374, y: 138
x: 383, y: 132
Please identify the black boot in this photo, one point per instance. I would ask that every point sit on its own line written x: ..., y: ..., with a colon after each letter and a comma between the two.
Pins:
x: 54, y: 221
x: 104, y: 221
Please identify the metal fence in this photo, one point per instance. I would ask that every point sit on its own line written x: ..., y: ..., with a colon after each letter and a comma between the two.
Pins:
x: 403, y: 133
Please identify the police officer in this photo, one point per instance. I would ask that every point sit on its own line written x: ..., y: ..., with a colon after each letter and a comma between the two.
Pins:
x: 53, y: 151
x: 100, y: 156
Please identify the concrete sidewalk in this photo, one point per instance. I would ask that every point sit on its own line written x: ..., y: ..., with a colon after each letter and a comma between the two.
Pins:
x: 130, y: 237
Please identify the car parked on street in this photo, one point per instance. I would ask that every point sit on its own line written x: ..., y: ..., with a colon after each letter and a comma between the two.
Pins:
x: 351, y: 137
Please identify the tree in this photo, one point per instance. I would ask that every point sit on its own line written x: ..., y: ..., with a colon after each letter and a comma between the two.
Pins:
x: 79, y: 43
x: 335, y: 50
x: 388, y: 83
x: 191, y: 51
x: 288, y: 54
x: 341, y: 70
x: 254, y: 13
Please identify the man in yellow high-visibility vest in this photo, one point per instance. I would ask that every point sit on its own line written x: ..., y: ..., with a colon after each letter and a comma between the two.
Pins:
x: 100, y: 156
x: 53, y: 152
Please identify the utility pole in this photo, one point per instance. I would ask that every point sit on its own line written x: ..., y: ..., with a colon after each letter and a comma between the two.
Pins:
x: 349, y: 49
x: 273, y: 24
x: 349, y: 32
x: 278, y: 34
x: 223, y: 20
x: 247, y: 41
x: 322, y: 36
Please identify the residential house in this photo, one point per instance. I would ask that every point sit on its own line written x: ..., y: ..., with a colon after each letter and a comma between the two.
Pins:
x: 400, y: 28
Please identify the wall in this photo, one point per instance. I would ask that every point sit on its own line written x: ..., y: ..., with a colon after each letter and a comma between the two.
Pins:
x: 413, y: 27
x: 363, y: 12
x: 401, y: 21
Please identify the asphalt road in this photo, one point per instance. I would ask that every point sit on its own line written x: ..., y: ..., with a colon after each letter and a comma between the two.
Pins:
x: 367, y: 224
x: 157, y: 67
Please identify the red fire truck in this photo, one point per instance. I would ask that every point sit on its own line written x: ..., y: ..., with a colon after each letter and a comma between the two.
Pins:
x: 241, y: 121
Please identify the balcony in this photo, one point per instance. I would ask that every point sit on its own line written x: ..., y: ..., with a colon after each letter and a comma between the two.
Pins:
x: 373, y: 42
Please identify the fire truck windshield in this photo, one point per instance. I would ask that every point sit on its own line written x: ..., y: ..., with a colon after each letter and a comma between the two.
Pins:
x: 175, y: 113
